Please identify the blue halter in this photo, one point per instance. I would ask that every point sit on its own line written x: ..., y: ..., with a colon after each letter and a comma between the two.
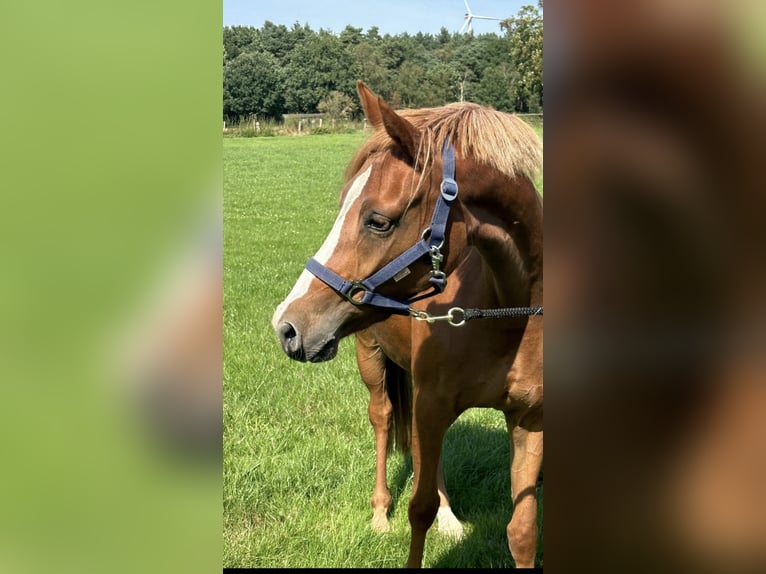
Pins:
x: 363, y: 292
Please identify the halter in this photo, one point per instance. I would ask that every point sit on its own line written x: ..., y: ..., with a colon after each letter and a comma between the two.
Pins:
x: 363, y: 292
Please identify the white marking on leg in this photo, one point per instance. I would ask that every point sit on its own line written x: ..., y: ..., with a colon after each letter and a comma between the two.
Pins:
x: 328, y: 247
x: 449, y: 525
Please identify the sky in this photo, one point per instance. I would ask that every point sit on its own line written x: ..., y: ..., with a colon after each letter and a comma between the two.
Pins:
x: 390, y: 16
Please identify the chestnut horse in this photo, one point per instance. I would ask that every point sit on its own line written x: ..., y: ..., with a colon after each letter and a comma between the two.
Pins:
x: 439, y: 211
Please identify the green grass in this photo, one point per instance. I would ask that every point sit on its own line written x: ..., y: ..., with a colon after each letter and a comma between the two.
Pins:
x: 299, y: 455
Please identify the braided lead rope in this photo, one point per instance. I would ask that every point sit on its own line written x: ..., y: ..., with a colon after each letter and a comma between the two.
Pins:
x: 469, y: 314
x: 457, y: 316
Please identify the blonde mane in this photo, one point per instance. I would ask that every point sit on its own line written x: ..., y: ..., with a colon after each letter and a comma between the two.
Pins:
x: 502, y: 141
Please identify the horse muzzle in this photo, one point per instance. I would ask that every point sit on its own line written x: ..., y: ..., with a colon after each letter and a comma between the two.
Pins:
x: 294, y: 345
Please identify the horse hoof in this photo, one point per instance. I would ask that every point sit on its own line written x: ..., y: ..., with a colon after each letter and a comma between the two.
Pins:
x: 380, y: 523
x: 449, y: 525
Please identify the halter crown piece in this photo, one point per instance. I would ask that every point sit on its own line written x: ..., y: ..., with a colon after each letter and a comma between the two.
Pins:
x: 362, y: 292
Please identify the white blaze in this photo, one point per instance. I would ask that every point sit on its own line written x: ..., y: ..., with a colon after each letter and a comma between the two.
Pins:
x: 328, y: 247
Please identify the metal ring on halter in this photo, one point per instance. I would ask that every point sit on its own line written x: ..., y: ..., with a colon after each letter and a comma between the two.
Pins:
x: 427, y: 230
x: 356, y: 287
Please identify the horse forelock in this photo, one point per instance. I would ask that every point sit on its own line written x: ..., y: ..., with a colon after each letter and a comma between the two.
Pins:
x: 500, y: 140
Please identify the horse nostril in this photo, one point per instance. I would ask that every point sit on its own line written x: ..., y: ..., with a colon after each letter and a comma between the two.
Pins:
x: 290, y: 339
x: 287, y: 333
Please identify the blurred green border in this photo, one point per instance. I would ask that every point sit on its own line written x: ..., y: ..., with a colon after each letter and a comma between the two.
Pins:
x: 110, y: 162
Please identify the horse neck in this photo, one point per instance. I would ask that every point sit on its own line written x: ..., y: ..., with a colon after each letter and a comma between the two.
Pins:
x: 504, y: 220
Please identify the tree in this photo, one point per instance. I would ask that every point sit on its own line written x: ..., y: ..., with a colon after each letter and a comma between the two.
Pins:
x: 238, y: 39
x: 337, y: 105
x: 351, y: 36
x: 316, y: 67
x: 274, y: 70
x: 444, y: 36
x: 277, y: 39
x: 370, y: 67
x: 373, y: 35
x: 439, y: 86
x: 252, y: 85
x: 409, y: 83
x: 497, y: 87
x: 526, y: 35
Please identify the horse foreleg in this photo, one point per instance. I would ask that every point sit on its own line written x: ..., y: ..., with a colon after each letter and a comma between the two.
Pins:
x: 380, y: 418
x: 430, y: 423
x: 371, y: 363
x: 525, y: 468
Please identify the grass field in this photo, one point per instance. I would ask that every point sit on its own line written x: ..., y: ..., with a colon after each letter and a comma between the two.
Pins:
x: 299, y: 455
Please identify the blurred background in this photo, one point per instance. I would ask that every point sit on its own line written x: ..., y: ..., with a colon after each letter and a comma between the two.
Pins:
x: 110, y: 294
x: 655, y: 332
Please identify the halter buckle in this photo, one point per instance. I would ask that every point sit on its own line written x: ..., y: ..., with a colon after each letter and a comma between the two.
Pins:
x: 449, y: 189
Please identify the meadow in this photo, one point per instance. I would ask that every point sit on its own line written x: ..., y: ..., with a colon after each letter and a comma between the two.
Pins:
x: 299, y: 457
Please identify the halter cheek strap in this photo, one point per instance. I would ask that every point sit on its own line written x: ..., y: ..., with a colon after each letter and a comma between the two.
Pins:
x: 363, y: 292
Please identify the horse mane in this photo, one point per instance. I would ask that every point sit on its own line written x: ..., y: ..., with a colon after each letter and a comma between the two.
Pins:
x: 500, y: 140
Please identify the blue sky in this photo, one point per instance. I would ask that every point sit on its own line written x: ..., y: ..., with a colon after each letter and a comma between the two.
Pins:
x: 390, y: 16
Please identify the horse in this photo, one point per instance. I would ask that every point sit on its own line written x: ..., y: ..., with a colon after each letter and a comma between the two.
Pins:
x: 439, y: 211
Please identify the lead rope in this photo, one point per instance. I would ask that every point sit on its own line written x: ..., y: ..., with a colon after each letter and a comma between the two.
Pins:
x: 457, y: 316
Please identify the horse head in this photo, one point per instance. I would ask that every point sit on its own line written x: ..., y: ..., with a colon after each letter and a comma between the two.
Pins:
x: 387, y: 210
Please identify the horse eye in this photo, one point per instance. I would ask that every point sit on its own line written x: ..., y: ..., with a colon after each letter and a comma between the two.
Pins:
x: 379, y: 223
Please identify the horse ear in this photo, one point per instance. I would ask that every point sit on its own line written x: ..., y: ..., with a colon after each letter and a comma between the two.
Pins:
x: 400, y: 130
x: 369, y: 104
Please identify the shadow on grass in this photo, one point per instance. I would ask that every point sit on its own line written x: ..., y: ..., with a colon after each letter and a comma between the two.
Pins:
x: 476, y: 463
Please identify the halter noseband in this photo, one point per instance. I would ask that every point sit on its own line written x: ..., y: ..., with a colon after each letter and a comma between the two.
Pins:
x: 362, y: 292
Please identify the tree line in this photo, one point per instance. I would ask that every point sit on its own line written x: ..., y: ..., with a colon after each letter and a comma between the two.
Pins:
x: 275, y: 70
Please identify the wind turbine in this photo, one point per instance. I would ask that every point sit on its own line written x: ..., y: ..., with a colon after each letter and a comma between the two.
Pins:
x: 469, y: 16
